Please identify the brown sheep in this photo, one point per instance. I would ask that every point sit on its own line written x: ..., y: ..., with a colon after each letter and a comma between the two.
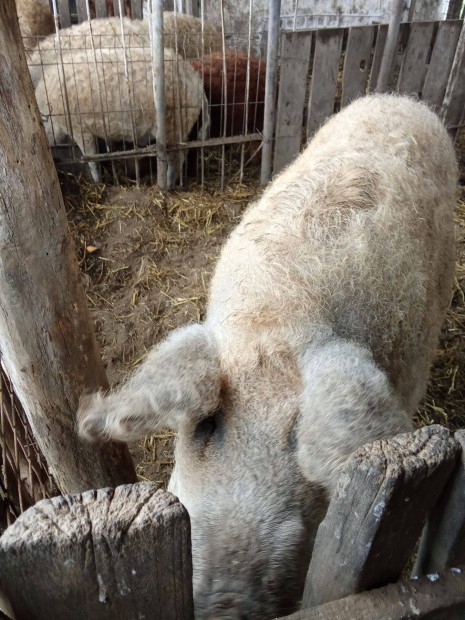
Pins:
x: 211, y: 68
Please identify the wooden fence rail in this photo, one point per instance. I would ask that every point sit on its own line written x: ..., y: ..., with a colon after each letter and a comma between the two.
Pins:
x: 116, y: 554
x: 126, y: 552
x: 376, y: 515
x: 429, y: 63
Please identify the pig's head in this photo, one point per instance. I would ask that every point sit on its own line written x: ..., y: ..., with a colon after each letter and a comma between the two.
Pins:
x: 257, y: 454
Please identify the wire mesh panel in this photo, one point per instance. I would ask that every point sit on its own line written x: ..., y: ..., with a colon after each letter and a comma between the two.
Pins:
x: 25, y: 478
x: 94, y: 83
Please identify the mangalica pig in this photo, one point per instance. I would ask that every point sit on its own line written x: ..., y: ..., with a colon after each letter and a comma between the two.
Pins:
x: 323, y: 316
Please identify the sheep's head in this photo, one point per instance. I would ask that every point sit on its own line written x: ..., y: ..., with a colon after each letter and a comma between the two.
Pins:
x: 256, y: 456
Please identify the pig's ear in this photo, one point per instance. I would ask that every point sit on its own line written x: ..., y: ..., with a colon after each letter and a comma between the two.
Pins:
x: 346, y: 401
x: 179, y: 380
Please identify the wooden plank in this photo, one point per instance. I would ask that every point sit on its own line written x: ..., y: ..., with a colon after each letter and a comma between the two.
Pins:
x: 357, y: 63
x: 325, y: 73
x: 454, y: 99
x: 390, y: 47
x: 438, y: 597
x: 295, y: 57
x: 399, y: 55
x: 136, y: 9
x: 375, y: 518
x: 378, y: 56
x: 441, y: 61
x: 414, y: 67
x: 116, y: 8
x: 443, y: 541
x: 108, y: 554
x: 81, y: 9
x: 48, y: 343
x: 64, y: 14
x: 101, y: 8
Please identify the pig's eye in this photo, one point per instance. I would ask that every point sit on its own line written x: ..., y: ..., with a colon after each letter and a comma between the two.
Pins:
x: 205, y: 429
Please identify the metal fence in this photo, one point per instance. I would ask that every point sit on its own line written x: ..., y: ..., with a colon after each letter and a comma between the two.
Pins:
x: 96, y: 84
x: 173, y: 95
x: 24, y: 478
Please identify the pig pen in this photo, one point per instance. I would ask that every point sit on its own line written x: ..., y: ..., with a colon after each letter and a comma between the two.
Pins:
x: 147, y: 257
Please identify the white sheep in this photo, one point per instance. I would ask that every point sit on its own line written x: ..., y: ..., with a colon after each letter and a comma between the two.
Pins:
x: 107, y: 33
x: 323, y: 317
x: 35, y: 20
x: 91, y: 96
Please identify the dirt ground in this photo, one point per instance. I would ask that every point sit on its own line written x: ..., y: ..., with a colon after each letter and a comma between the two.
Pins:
x: 146, y: 259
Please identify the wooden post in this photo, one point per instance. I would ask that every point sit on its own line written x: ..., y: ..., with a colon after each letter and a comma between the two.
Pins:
x: 390, y: 47
x: 376, y: 515
x: 454, y: 99
x: 47, y: 339
x: 112, y: 554
x: 438, y: 597
x: 158, y: 71
x: 274, y: 22
x: 443, y: 541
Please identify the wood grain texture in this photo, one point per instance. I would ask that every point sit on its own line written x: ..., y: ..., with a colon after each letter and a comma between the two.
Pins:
x: 378, y: 56
x: 441, y: 61
x: 81, y: 8
x: 47, y: 338
x: 357, y: 63
x: 101, y: 8
x: 414, y: 67
x: 377, y: 513
x: 434, y: 598
x: 398, y: 58
x: 325, y: 72
x: 136, y: 9
x: 64, y: 14
x: 110, y: 554
x: 454, y: 99
x: 443, y: 541
x: 295, y: 56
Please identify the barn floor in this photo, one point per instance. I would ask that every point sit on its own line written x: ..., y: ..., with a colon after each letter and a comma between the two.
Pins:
x: 146, y: 260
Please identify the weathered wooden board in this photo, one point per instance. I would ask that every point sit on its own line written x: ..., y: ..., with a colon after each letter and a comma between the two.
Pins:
x: 443, y: 541
x: 136, y: 9
x: 378, y: 55
x: 325, y: 73
x: 295, y: 57
x: 414, y: 67
x: 439, y: 597
x: 49, y: 348
x: 441, y: 61
x: 389, y: 50
x: 454, y: 99
x: 377, y: 513
x: 357, y: 62
x: 64, y: 14
x: 110, y: 554
x: 116, y: 7
x: 101, y: 8
x: 398, y: 59
x: 81, y: 9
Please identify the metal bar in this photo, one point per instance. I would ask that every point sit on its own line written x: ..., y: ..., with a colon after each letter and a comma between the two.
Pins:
x: 225, y: 94
x: 397, y: 8
x: 151, y: 151
x: 158, y: 74
x: 247, y: 89
x: 270, y: 89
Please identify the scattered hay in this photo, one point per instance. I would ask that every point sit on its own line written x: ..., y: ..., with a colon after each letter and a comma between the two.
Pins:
x: 146, y: 260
